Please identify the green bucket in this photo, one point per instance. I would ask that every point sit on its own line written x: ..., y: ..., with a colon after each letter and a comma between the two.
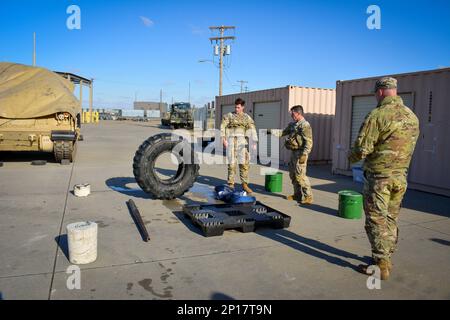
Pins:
x: 350, y: 204
x: 274, y: 182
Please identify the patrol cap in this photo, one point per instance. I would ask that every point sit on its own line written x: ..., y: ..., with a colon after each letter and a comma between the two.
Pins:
x: 386, y: 83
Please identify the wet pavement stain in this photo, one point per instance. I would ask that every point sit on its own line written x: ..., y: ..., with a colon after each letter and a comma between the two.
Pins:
x: 129, y: 286
x: 173, y: 205
x: 164, y: 277
x: 146, y: 284
x: 203, y: 192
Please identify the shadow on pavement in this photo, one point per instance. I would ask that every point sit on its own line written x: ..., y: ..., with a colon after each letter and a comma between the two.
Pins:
x: 221, y: 296
x: 441, y: 241
x: 313, y: 247
x: 318, y: 208
x: 26, y: 156
x: 119, y: 184
x: 188, y: 223
x: 63, y: 244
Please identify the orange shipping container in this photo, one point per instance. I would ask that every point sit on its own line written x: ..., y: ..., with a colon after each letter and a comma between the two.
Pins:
x: 270, y: 110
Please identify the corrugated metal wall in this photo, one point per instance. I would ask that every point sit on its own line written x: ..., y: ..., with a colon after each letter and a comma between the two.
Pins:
x: 319, y: 106
x: 278, y: 94
x: 430, y: 167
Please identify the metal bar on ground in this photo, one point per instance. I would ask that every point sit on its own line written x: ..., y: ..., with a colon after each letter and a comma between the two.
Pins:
x: 138, y: 220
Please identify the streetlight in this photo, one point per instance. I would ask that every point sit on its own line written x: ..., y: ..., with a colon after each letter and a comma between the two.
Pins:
x: 220, y: 74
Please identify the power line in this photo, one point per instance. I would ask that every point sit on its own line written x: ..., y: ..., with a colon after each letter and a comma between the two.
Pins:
x: 242, y: 84
x: 220, y: 50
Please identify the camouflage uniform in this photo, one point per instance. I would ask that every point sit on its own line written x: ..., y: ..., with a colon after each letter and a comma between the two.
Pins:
x: 386, y: 141
x: 299, y: 140
x: 237, y: 128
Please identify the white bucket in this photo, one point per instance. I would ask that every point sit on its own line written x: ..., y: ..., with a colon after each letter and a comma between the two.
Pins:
x: 82, y: 241
x: 82, y: 190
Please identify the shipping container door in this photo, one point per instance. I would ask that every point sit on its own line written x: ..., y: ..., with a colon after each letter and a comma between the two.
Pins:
x: 267, y: 115
x: 227, y: 108
x: 363, y: 105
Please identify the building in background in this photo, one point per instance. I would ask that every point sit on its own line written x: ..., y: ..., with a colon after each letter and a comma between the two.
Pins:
x: 148, y: 105
x: 427, y: 93
x: 270, y: 110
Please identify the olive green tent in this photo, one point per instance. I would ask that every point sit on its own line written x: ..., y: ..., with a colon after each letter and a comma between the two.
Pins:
x: 32, y: 92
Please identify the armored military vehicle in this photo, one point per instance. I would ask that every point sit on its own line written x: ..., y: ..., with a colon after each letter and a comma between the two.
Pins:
x: 180, y: 116
x: 38, y: 111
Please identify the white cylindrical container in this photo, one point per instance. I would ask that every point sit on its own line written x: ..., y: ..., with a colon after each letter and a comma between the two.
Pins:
x: 82, y: 190
x: 82, y: 241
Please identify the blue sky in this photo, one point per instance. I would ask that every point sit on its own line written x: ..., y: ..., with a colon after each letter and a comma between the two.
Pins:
x: 135, y: 48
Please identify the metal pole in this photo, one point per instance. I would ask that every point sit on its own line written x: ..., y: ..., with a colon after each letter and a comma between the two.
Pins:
x: 91, y: 89
x: 81, y: 95
x: 138, y: 220
x: 221, y: 60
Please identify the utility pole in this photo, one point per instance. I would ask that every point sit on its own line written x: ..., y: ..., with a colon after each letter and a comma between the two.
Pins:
x: 242, y: 84
x: 221, y: 40
x: 34, y: 49
x: 160, y: 100
x: 189, y: 92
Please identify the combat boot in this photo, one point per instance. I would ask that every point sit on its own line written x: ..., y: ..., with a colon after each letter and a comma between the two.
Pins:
x: 231, y: 185
x: 292, y: 197
x: 307, y: 200
x: 384, y: 265
x: 246, y: 188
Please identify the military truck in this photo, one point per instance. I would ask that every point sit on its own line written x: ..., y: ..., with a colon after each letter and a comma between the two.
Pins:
x: 38, y: 111
x: 179, y: 116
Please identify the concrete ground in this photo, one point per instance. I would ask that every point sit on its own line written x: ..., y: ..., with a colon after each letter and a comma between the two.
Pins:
x: 315, y: 258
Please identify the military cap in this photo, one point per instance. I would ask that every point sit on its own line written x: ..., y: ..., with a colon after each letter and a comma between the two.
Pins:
x: 386, y: 83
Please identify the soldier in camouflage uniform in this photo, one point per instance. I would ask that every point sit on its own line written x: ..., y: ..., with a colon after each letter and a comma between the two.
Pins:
x: 299, y: 140
x: 236, y: 127
x: 386, y: 142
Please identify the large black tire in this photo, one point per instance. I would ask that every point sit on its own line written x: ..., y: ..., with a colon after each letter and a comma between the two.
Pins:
x: 144, y: 169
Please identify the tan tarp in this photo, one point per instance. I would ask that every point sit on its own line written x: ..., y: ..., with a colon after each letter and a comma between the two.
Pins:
x: 31, y: 92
